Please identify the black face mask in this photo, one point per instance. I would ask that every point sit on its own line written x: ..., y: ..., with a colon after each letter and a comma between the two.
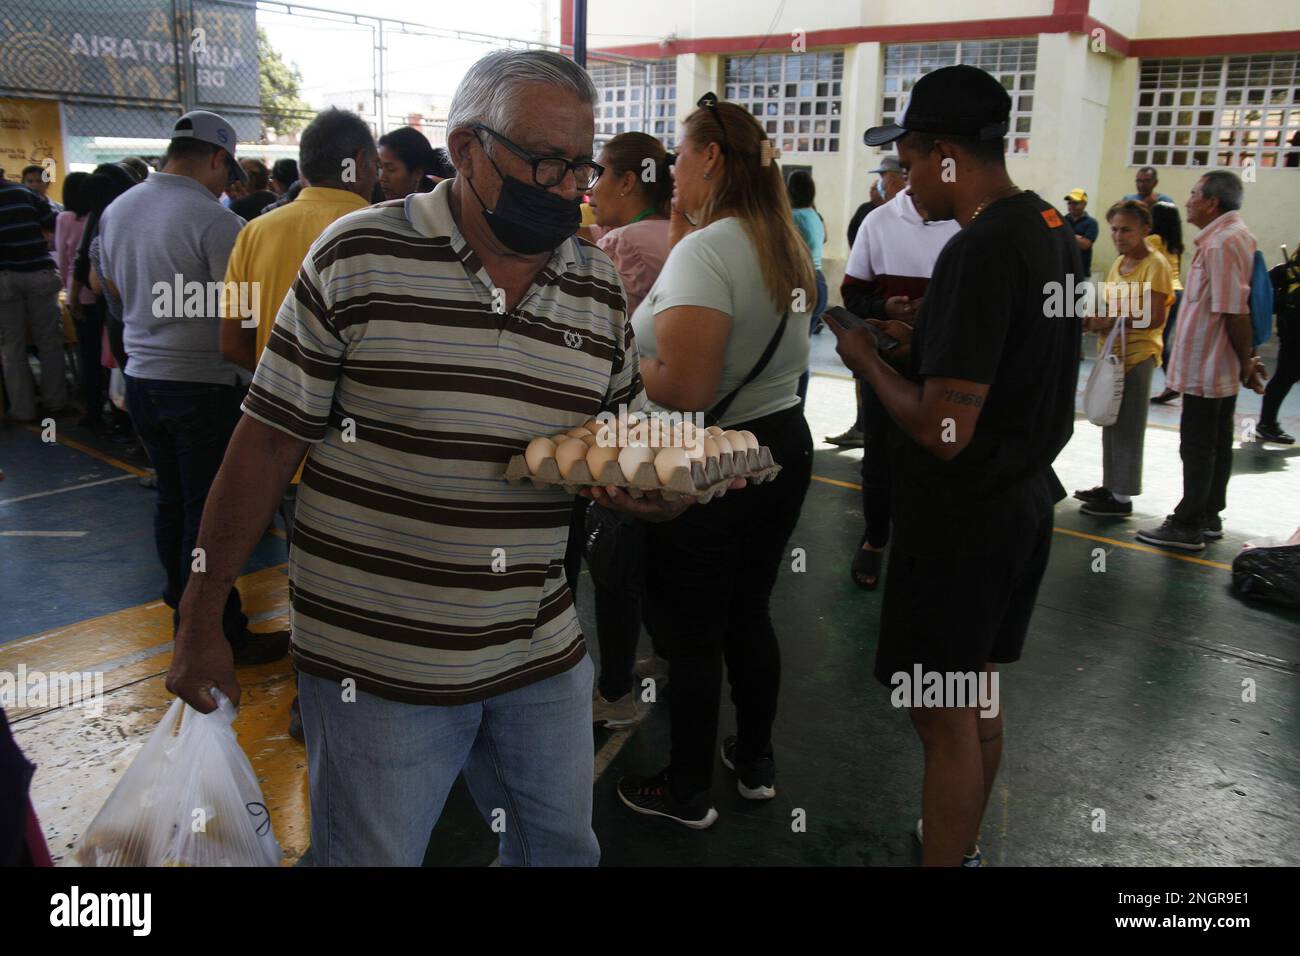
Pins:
x: 529, y: 219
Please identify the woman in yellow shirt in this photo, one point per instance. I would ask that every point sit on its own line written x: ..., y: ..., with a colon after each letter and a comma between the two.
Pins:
x: 1167, y: 239
x: 1138, y: 291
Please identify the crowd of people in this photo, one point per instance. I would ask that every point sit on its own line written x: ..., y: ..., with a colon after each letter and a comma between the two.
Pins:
x: 418, y: 315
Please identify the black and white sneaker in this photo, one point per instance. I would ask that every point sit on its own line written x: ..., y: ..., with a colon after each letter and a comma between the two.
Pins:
x: 1106, y: 507
x: 1171, y: 534
x: 1093, y: 494
x: 654, y: 797
x: 1273, y: 433
x: 756, y: 780
x: 1212, y: 528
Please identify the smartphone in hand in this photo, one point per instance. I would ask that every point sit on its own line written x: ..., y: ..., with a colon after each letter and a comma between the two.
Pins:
x: 847, y: 320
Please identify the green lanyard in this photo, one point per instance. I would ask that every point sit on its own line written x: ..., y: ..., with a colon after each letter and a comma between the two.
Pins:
x: 648, y: 212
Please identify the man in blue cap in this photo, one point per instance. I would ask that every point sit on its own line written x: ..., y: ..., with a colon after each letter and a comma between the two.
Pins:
x: 983, y: 404
x: 164, y: 247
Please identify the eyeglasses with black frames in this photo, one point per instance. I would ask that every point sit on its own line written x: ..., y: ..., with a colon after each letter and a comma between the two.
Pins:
x: 549, y: 171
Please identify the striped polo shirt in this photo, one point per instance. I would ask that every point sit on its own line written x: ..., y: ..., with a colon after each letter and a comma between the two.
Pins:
x: 415, y: 569
x: 23, y: 214
x: 1202, y: 360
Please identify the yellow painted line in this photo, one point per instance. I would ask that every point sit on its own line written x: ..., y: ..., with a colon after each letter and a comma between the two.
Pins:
x: 1080, y: 534
x: 92, y: 452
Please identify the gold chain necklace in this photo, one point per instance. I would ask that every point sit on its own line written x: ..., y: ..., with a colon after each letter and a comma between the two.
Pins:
x: 1008, y: 191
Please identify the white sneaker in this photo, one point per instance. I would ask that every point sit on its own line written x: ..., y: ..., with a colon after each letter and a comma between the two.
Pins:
x: 615, y: 714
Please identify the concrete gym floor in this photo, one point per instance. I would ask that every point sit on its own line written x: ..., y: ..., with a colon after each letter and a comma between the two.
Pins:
x: 1128, y: 699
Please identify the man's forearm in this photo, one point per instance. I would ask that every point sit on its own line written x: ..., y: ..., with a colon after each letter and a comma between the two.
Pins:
x: 257, y: 467
x: 1240, y: 334
x: 901, y: 398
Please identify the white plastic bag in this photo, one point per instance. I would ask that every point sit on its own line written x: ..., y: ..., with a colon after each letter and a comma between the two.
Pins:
x: 117, y: 389
x: 1104, y: 393
x: 189, y: 798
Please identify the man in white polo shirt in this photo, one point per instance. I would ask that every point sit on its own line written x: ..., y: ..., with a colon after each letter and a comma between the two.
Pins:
x: 888, y: 270
x: 425, y: 341
x: 163, y: 248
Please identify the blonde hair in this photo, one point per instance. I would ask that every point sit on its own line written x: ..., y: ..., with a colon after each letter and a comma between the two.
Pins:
x: 756, y: 193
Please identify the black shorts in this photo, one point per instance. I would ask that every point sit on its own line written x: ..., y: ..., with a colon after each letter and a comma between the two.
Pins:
x: 958, y: 614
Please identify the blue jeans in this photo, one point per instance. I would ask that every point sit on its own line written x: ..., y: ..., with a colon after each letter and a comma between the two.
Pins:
x: 185, y: 427
x: 822, y: 302
x: 380, y: 771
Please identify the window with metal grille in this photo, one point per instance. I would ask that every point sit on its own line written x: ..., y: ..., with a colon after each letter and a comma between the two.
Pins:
x: 794, y: 96
x: 1218, y: 111
x: 1012, y: 62
x: 636, y: 96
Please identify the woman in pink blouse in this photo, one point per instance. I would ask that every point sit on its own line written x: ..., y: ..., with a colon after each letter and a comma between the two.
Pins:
x: 68, y: 230
x: 631, y: 205
x: 631, y: 201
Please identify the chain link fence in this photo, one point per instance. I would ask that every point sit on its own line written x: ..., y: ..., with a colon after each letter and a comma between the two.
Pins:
x: 121, y: 71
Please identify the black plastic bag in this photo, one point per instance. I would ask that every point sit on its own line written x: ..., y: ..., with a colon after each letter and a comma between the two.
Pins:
x: 1270, y: 574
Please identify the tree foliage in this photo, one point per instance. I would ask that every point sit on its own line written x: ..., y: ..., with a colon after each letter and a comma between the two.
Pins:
x: 280, y: 82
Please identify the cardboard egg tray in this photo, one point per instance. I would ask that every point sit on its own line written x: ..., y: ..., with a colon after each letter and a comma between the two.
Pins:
x: 704, y: 478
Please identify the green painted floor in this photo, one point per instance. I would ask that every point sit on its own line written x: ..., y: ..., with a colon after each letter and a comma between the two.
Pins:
x: 1128, y: 700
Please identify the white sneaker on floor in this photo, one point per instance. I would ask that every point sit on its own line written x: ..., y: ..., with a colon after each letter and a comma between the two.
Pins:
x: 615, y: 714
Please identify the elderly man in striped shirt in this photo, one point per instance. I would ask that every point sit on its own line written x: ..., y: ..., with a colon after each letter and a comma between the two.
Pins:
x: 1211, y: 359
x: 424, y: 342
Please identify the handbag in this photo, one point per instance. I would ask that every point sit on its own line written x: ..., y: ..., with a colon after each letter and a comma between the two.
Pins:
x: 614, y: 543
x: 1104, y: 393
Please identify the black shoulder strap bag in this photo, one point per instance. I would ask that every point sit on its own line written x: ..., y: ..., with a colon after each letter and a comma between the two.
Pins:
x: 614, y: 542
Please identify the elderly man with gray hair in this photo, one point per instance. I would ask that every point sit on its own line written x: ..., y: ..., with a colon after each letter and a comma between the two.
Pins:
x: 1211, y: 358
x: 425, y: 341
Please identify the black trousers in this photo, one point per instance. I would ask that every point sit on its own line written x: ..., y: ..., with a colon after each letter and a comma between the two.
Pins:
x: 709, y: 579
x: 1205, y: 446
x: 877, y: 474
x: 1285, y: 375
x: 90, y: 335
x: 618, y: 616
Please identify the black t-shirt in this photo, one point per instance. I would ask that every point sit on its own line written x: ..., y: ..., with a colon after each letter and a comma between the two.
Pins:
x: 250, y: 207
x: 984, y: 320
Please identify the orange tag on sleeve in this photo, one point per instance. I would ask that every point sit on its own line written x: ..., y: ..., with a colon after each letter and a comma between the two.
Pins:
x: 1051, y: 218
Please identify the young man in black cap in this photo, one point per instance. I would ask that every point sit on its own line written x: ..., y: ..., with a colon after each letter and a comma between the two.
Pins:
x: 985, y: 403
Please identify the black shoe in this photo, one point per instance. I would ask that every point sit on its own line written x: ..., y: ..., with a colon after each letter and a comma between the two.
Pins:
x: 654, y: 797
x: 756, y: 780
x: 1165, y: 397
x: 253, y: 648
x: 1273, y: 433
x: 1171, y: 534
x: 1093, y: 494
x: 295, y: 720
x: 1106, y: 507
x: 1212, y: 528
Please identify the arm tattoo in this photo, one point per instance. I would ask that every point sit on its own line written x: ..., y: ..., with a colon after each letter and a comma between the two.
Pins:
x: 962, y: 398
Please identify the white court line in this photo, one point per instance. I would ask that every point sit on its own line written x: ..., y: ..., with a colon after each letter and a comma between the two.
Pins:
x: 43, y: 534
x: 59, y: 491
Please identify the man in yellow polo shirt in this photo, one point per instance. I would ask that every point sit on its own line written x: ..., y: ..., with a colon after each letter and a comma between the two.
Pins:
x: 339, y: 166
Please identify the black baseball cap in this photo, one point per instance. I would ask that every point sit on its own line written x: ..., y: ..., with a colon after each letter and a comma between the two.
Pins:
x: 957, y: 100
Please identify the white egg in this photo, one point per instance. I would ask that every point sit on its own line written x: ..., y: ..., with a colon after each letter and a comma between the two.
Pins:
x: 711, y: 449
x: 714, y: 430
x: 668, y: 461
x: 724, y: 446
x: 593, y: 425
x: 599, y: 457
x: 588, y: 439
x: 560, y: 438
x: 736, y: 440
x: 607, y: 437
x: 751, y: 440
x: 567, y: 454
x: 631, y: 457
x: 538, y: 450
